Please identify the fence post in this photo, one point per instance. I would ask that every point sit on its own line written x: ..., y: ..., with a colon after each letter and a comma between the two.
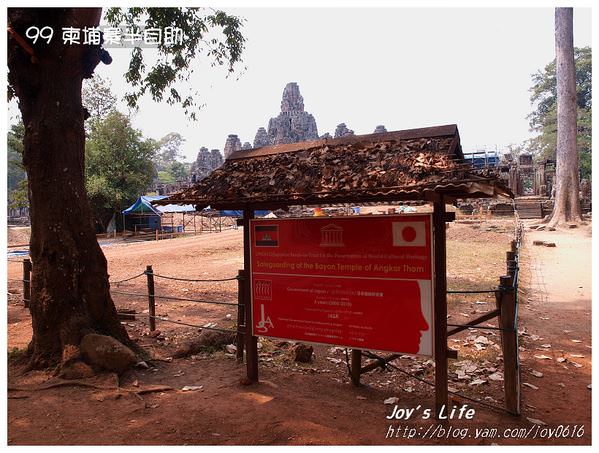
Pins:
x: 509, y: 344
x: 26, y: 282
x: 510, y: 262
x: 356, y: 366
x: 239, y: 341
x: 151, y: 301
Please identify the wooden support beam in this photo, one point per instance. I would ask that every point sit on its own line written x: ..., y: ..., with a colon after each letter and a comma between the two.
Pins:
x: 474, y: 322
x: 440, y: 304
x: 251, y: 342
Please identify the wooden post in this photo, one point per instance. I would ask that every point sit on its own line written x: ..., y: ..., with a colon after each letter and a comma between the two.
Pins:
x: 514, y: 246
x: 511, y: 268
x: 509, y: 344
x: 356, y: 366
x: 251, y: 342
x: 241, y: 277
x: 151, y: 301
x: 26, y: 282
x: 510, y: 262
x: 440, y: 304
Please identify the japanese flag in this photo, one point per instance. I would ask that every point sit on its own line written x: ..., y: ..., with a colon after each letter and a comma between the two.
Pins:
x: 409, y: 234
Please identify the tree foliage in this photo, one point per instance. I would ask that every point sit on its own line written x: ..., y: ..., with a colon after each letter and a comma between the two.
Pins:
x: 118, y: 165
x: 169, y: 150
x: 16, y: 176
x: 209, y: 33
x: 543, y: 119
x: 15, y: 169
x: 98, y: 98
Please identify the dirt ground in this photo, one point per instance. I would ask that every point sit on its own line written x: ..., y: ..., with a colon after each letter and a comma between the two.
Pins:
x: 315, y: 403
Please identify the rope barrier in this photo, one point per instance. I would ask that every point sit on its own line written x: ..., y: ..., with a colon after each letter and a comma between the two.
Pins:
x: 195, y: 280
x: 130, y: 278
x: 476, y: 291
x: 156, y: 296
x: 192, y: 325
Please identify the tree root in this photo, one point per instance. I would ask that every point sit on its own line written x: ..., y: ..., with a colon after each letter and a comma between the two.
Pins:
x: 137, y: 391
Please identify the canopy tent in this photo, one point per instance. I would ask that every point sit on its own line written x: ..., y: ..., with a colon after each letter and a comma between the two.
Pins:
x: 142, y: 215
x: 143, y: 205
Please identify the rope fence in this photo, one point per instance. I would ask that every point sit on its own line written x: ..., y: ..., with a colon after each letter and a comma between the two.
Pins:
x: 156, y: 296
x: 217, y: 280
x: 152, y: 296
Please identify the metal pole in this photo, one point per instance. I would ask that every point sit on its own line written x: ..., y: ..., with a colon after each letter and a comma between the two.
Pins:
x: 151, y: 301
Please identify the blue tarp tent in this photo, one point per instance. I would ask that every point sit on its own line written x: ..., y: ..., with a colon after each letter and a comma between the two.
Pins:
x: 239, y: 214
x: 142, y: 215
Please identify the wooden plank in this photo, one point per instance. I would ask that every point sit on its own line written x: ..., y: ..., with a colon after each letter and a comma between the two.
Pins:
x: 440, y: 304
x: 474, y: 322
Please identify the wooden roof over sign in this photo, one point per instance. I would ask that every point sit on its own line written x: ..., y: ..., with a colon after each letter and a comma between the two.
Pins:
x: 403, y: 165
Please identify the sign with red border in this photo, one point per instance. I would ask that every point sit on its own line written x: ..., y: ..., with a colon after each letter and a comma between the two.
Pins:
x: 362, y: 282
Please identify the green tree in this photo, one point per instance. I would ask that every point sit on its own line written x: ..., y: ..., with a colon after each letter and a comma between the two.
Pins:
x: 98, y: 98
x: 15, y: 170
x: 17, y: 198
x: 70, y: 294
x: 118, y: 166
x: 180, y: 170
x: 543, y: 120
x: 168, y: 151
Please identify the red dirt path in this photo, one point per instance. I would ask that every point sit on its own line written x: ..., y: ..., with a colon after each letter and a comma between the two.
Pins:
x: 313, y: 403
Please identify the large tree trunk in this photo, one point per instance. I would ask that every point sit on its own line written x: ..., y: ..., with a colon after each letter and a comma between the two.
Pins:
x: 70, y: 289
x: 567, y: 200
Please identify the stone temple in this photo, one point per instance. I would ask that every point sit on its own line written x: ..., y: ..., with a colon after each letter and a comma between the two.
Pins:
x: 292, y: 125
x: 231, y: 145
x: 205, y: 163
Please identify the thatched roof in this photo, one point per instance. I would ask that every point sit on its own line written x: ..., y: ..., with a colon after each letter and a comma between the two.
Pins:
x: 402, y: 165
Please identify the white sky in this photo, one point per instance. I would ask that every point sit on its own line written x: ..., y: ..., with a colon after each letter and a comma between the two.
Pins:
x: 402, y: 67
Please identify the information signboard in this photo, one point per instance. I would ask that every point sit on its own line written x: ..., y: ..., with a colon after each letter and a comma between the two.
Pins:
x: 364, y: 282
